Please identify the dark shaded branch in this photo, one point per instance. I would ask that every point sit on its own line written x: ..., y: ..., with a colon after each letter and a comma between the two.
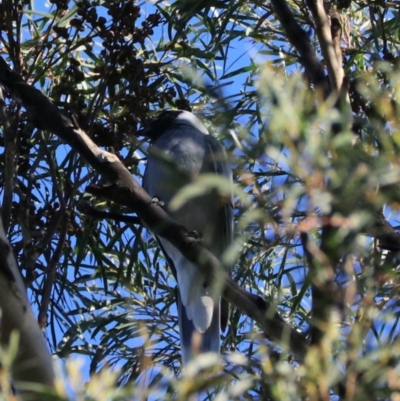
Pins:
x: 323, y: 293
x: 300, y: 40
x: 51, y: 229
x: 51, y: 276
x: 321, y: 277
x: 128, y: 192
x: 9, y: 163
x: 62, y: 212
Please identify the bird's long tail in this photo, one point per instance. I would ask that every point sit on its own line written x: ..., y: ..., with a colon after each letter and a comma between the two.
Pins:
x: 192, y: 341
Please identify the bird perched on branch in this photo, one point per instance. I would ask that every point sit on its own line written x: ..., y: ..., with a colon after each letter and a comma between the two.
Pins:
x: 181, y: 150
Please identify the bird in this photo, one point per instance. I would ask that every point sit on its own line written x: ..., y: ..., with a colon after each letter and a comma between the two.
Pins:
x: 181, y: 149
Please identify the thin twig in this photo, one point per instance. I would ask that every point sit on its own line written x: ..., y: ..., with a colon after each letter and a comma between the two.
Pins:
x: 87, y: 209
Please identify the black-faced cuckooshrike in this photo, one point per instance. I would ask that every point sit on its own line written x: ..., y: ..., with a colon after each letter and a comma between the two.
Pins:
x: 181, y: 150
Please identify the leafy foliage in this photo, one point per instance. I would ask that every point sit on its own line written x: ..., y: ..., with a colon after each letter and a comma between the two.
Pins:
x: 101, y: 288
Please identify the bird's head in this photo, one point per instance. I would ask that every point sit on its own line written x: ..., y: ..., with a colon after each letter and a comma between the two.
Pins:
x: 169, y: 119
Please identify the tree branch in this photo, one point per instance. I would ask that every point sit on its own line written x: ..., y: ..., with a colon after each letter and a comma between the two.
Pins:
x: 87, y: 209
x: 9, y: 163
x: 300, y: 40
x: 33, y: 362
x: 323, y: 29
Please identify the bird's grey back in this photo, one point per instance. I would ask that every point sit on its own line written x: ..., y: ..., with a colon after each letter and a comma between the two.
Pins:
x: 190, y: 153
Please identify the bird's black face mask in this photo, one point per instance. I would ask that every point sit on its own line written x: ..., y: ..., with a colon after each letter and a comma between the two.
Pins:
x: 160, y: 124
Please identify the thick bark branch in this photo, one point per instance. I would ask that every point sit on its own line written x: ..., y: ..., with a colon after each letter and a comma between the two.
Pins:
x: 33, y: 362
x: 329, y: 32
x: 128, y: 192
